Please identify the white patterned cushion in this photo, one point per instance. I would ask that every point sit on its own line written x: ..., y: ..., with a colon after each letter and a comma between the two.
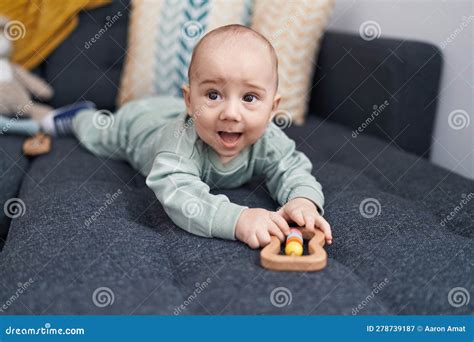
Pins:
x: 162, y: 35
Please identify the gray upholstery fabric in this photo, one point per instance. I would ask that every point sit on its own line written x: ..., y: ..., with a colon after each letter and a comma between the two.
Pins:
x: 13, y: 167
x: 88, y: 64
x: 152, y: 267
x: 349, y: 76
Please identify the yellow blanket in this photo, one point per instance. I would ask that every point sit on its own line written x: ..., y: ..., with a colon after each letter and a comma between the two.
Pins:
x: 37, y: 27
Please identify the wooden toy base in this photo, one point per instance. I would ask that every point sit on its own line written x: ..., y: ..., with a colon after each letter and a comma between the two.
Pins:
x: 36, y: 145
x: 316, y: 260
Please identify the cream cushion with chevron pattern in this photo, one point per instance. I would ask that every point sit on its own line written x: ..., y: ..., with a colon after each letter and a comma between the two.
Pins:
x: 162, y: 35
x: 294, y: 28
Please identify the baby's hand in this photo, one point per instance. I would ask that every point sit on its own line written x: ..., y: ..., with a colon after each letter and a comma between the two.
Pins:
x: 255, y: 226
x: 304, y: 213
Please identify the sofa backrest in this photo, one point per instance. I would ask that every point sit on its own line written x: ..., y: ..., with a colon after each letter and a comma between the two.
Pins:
x: 88, y: 64
x: 352, y: 77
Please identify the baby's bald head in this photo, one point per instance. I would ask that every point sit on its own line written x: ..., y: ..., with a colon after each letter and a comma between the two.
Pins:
x: 232, y: 92
x: 236, y: 35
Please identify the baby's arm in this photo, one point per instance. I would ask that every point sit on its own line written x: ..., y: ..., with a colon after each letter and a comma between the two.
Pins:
x: 290, y: 182
x: 186, y: 199
x: 288, y: 172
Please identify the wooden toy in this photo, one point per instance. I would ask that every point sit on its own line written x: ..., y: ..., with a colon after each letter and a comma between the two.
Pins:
x: 294, y: 243
x: 36, y: 145
x: 316, y: 259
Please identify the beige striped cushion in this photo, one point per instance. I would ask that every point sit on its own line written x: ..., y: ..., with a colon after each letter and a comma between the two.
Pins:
x: 294, y: 27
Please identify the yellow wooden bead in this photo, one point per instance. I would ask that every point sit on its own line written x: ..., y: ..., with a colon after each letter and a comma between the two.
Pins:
x: 294, y: 248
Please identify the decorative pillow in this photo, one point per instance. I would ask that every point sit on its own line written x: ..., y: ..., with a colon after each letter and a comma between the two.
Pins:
x: 294, y: 28
x: 162, y: 35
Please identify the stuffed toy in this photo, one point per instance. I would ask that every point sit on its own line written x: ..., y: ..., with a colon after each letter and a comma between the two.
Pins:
x: 19, y: 114
x: 17, y: 85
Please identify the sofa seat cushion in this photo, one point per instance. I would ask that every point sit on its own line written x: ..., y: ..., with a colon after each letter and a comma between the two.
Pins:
x: 92, y: 224
x: 13, y: 167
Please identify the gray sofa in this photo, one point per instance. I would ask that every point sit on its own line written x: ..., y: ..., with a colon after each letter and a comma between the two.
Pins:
x: 93, y: 239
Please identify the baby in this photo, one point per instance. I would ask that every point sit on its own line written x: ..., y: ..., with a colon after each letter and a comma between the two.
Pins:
x: 220, y: 137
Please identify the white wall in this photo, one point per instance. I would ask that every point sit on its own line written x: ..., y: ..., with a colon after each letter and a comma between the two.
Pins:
x: 432, y: 21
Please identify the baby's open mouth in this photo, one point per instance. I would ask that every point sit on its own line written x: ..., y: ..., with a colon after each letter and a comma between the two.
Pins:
x: 229, y: 139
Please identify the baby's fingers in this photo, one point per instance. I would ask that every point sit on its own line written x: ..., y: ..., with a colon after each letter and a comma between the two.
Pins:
x: 263, y: 237
x: 322, y: 224
x: 275, y: 230
x: 281, y: 223
x: 282, y: 212
x: 309, y: 219
x: 297, y: 216
x: 252, y: 241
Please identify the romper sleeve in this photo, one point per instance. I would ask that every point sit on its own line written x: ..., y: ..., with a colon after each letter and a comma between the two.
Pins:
x: 288, y: 171
x: 186, y: 199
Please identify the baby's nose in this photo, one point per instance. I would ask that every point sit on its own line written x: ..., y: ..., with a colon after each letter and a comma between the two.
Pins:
x: 231, y: 111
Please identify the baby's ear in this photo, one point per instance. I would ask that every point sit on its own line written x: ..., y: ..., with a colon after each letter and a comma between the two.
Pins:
x: 275, y: 104
x: 187, y: 97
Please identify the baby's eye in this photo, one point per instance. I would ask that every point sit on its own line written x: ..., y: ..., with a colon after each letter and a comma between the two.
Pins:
x: 213, y: 95
x: 250, y: 98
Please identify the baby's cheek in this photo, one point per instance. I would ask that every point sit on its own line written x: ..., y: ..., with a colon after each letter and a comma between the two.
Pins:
x: 205, y: 133
x: 258, y: 128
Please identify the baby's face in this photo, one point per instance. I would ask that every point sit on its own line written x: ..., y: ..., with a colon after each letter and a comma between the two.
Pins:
x: 232, y: 95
